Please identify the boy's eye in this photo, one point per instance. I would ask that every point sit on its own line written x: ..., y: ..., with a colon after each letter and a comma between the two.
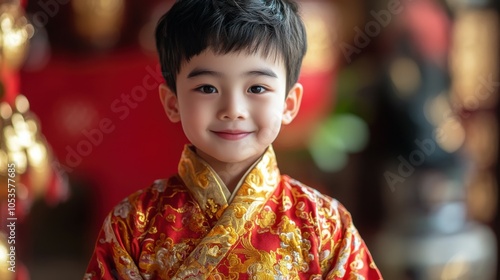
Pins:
x: 256, y: 89
x: 207, y: 89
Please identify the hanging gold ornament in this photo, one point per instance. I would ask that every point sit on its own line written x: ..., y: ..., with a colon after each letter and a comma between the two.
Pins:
x: 15, y: 32
x: 22, y: 144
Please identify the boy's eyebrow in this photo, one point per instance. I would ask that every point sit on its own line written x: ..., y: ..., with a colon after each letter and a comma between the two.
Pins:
x: 258, y: 72
x: 262, y: 72
x: 201, y: 71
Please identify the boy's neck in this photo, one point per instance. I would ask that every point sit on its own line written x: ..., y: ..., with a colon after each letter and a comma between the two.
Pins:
x: 230, y: 178
x: 230, y: 173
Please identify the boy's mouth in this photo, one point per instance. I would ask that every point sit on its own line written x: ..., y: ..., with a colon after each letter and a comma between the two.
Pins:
x: 232, y: 134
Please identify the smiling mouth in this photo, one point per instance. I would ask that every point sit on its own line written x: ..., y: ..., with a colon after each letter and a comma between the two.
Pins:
x: 232, y: 135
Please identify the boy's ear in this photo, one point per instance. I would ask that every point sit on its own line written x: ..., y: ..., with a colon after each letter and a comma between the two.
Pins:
x: 292, y: 103
x: 169, y: 101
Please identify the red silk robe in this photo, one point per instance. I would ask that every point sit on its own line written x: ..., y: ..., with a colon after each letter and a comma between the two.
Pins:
x: 189, y: 227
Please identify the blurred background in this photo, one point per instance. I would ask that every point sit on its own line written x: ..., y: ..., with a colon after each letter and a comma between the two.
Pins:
x: 399, y: 122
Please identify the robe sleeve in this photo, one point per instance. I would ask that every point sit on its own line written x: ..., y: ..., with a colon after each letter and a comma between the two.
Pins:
x: 351, y: 258
x: 112, y: 257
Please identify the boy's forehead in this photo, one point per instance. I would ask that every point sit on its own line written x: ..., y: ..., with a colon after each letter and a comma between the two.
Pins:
x: 271, y: 57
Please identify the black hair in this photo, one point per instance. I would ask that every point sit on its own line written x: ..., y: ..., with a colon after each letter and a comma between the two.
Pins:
x: 266, y: 26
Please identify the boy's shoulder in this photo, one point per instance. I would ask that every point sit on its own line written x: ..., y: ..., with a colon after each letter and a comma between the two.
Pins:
x: 307, y: 205
x: 301, y: 192
x: 299, y: 188
x: 159, y: 192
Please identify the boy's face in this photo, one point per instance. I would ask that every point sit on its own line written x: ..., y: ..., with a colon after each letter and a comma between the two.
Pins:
x: 231, y: 106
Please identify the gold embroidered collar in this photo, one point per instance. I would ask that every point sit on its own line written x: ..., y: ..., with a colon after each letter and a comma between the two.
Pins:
x: 251, y: 195
x: 209, y: 190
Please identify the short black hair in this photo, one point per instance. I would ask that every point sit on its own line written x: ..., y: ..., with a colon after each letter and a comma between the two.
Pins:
x: 268, y: 26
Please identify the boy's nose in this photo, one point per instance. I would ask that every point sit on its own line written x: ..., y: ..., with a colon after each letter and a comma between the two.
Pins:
x: 233, y: 107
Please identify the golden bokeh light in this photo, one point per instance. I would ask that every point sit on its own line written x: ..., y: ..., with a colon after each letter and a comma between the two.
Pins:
x: 438, y: 109
x: 99, y: 21
x: 5, y: 110
x: 22, y: 104
x: 319, y: 19
x: 450, y: 135
x: 474, y: 58
x: 405, y: 76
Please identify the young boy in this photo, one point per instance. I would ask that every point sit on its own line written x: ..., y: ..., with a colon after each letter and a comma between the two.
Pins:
x: 231, y: 68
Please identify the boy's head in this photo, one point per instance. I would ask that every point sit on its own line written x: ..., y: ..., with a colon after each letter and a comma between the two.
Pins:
x: 231, y: 70
x: 269, y: 27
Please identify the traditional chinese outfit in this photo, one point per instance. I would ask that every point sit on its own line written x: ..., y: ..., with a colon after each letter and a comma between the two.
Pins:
x: 190, y: 227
